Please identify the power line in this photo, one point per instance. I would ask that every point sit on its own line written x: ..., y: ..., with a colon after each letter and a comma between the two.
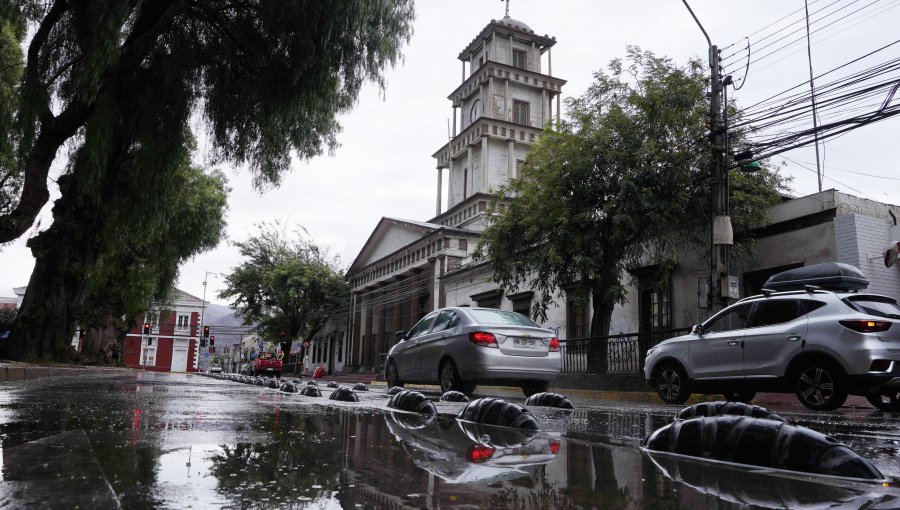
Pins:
x: 829, y: 178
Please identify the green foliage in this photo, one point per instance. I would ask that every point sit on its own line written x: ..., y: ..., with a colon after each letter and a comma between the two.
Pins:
x: 11, y: 66
x: 623, y: 183
x: 123, y: 85
x: 267, y: 78
x: 7, y: 316
x: 285, y: 285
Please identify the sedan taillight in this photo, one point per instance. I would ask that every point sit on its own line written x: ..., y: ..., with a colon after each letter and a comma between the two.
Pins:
x: 483, y: 339
x: 864, y: 326
x: 478, y: 453
x: 554, y: 344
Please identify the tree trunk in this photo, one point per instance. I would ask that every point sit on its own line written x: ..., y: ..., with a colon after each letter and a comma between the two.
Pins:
x: 603, y: 304
x: 57, y: 290
x: 45, y: 324
x: 102, y: 342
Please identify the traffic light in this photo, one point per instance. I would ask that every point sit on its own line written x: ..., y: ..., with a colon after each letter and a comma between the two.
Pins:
x: 146, y: 328
x: 212, y: 349
x: 283, y: 334
x: 212, y: 340
x: 205, y: 331
x: 202, y: 342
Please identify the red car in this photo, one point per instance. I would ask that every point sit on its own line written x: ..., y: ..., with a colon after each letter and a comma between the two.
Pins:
x: 266, y: 363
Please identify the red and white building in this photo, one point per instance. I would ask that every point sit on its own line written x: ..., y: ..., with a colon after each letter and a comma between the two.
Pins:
x: 171, y: 345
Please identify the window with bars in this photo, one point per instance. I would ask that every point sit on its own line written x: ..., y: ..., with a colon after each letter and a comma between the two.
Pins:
x: 656, y: 309
x: 576, y: 316
x: 520, y: 59
x: 520, y: 112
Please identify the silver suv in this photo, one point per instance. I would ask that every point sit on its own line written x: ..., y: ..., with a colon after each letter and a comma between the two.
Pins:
x: 820, y: 344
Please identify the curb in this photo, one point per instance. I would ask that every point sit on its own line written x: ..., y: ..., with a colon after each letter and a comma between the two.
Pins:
x: 24, y: 372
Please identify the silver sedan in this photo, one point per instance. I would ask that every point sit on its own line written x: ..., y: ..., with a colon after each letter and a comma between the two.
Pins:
x: 462, y: 347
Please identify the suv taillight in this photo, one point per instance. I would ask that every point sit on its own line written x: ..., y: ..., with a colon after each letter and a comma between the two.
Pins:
x: 554, y: 344
x: 483, y: 339
x: 864, y: 326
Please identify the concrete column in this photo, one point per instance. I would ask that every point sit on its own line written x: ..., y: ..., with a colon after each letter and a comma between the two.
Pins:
x: 439, y: 189
x: 485, y: 162
x: 489, y: 100
x: 454, y: 122
x: 558, y: 116
x: 463, y: 70
x: 511, y: 156
x: 450, y: 182
x: 545, y: 108
x: 550, y: 61
x: 535, y: 60
x: 471, y: 171
x: 379, y: 331
x: 507, y: 116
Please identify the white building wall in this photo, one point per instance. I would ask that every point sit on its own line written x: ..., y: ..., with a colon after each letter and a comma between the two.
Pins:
x: 861, y: 241
x: 458, y: 290
x: 502, y: 53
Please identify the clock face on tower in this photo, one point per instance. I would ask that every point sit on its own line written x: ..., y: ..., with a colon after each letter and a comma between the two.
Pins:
x: 475, y: 112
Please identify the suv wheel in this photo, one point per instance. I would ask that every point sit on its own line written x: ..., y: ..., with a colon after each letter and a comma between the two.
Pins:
x: 745, y: 396
x: 672, y: 384
x: 820, y: 386
x: 885, y: 402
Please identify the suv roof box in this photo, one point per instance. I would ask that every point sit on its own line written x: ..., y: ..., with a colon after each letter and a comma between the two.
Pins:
x: 830, y: 275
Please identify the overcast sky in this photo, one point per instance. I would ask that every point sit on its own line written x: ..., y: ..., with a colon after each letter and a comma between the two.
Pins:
x: 384, y: 165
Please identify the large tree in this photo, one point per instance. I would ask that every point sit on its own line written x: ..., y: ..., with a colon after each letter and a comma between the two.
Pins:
x: 112, y: 85
x: 285, y: 285
x: 623, y: 182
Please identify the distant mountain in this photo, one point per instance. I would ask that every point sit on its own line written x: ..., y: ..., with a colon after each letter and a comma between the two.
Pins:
x: 224, y: 323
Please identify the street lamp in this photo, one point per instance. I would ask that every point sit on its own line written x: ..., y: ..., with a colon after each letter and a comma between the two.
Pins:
x: 203, y: 313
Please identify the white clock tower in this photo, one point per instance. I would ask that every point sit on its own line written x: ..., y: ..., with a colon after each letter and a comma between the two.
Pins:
x: 499, y: 110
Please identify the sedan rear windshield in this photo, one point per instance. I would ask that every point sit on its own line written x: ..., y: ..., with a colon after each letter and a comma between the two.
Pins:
x: 501, y: 317
x: 875, y: 305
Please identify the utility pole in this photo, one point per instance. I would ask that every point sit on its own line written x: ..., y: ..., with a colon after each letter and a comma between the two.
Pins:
x: 721, y: 236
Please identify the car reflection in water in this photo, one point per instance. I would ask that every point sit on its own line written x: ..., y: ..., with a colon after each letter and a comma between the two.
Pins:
x: 773, y: 488
x: 460, y: 452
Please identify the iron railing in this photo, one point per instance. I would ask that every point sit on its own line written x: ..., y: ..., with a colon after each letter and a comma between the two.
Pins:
x: 625, y: 353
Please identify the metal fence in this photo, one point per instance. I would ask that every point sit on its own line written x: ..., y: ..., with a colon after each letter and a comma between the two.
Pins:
x: 625, y: 353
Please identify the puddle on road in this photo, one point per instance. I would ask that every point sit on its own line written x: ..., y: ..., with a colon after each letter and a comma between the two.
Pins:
x: 174, y: 442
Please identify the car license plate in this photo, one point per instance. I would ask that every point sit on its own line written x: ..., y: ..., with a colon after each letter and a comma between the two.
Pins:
x: 523, y: 342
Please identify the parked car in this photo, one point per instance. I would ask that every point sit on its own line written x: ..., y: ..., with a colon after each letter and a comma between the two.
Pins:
x: 266, y: 364
x: 820, y: 344
x: 215, y: 369
x: 462, y: 347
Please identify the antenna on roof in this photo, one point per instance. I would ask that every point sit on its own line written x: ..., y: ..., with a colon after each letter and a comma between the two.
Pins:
x: 507, y: 7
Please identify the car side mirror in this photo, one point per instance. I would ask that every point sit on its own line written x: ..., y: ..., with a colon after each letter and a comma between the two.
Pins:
x: 401, y: 335
x: 697, y: 329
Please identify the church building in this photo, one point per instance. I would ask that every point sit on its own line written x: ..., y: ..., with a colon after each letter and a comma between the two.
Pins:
x: 506, y: 97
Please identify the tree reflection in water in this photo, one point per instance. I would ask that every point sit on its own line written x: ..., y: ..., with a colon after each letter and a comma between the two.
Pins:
x: 301, y: 462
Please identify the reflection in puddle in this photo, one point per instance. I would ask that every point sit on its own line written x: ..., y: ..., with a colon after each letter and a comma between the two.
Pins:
x: 460, y: 452
x: 765, y: 488
x: 218, y: 445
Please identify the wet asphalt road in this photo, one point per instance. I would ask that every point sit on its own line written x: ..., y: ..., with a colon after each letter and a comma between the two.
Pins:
x: 147, y: 440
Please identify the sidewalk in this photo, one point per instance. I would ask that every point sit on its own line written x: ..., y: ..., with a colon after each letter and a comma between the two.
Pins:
x: 16, y: 371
